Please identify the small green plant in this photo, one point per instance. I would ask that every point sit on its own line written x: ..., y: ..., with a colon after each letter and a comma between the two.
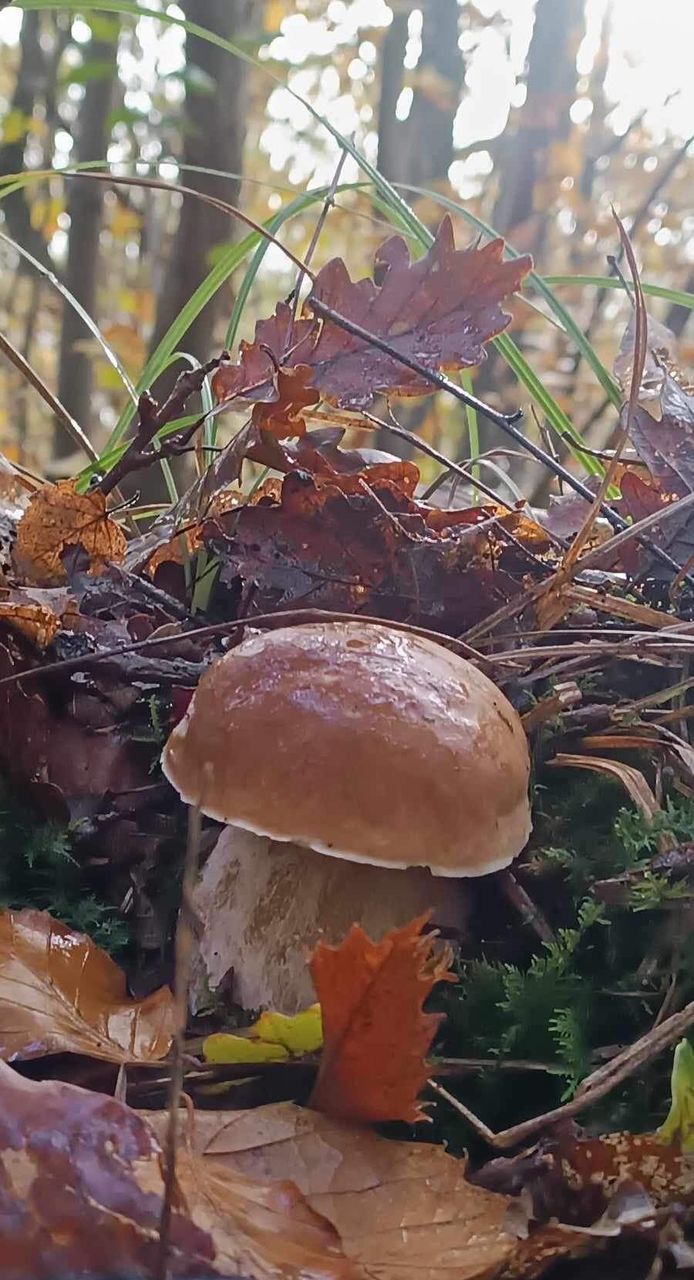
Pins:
x: 38, y: 869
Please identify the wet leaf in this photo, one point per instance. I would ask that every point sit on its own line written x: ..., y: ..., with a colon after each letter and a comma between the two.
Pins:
x: 259, y: 1230
x: 294, y: 392
x: 82, y: 1184
x: 440, y: 311
x: 58, y: 517
x: 399, y: 1208
x: 59, y: 993
x: 300, y: 1033
x: 224, y: 1047
x: 376, y: 1034
x: 81, y: 1187
x: 369, y: 550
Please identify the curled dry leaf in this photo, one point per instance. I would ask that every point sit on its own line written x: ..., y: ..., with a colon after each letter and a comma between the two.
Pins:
x: 58, y: 517
x: 439, y: 311
x: 399, y: 1208
x: 59, y: 993
x: 375, y: 1032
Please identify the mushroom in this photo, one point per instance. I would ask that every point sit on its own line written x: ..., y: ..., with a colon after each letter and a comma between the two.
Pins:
x: 361, y: 772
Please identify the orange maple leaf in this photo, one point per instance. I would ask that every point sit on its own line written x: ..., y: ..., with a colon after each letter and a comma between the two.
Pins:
x: 59, y: 517
x: 376, y: 1034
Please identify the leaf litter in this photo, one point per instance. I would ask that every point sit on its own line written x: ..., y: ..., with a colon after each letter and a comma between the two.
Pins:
x: 101, y: 645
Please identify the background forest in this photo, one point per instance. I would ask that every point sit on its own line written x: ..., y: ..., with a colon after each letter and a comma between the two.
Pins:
x: 534, y: 117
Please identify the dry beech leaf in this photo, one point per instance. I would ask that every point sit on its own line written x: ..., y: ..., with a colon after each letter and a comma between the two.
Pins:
x: 260, y: 1230
x: 59, y: 993
x: 80, y: 1188
x: 400, y: 1209
x: 34, y: 621
x: 439, y: 310
x: 59, y: 517
x: 375, y: 1032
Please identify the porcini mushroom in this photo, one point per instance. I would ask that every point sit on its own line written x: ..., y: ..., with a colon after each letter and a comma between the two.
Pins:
x: 361, y: 772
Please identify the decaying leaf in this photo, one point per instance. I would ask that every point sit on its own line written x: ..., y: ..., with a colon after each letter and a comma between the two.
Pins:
x: 400, y: 1209
x: 80, y: 1187
x: 59, y: 993
x: 376, y: 1033
x: 332, y: 543
x: 439, y: 311
x: 59, y: 517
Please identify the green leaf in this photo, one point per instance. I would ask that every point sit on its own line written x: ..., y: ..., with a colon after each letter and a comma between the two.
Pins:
x: 679, y: 1124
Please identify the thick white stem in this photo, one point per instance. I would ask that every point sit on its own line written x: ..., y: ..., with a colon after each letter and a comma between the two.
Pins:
x: 263, y: 906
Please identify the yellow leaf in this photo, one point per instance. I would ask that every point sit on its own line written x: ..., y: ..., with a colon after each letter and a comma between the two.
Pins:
x: 302, y: 1033
x: 44, y: 216
x: 128, y: 346
x: 223, y: 1047
x: 275, y: 11
x: 124, y: 222
x: 15, y: 126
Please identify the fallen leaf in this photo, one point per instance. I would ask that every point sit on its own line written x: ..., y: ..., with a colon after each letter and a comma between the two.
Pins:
x: 59, y: 517
x: 375, y: 1031
x: 272, y: 1038
x: 81, y: 1184
x: 301, y: 1033
x: 35, y: 621
x: 284, y: 416
x: 225, y: 1047
x: 261, y: 1230
x: 82, y: 1180
x: 439, y: 310
x: 632, y: 779
x: 369, y: 550
x: 400, y: 1209
x: 59, y: 993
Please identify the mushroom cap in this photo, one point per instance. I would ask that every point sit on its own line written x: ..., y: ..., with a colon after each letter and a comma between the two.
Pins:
x: 361, y: 742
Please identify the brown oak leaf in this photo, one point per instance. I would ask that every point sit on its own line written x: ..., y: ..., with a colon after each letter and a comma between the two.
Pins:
x: 439, y: 311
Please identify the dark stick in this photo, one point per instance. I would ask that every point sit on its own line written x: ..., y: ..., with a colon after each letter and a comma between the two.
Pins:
x: 505, y: 423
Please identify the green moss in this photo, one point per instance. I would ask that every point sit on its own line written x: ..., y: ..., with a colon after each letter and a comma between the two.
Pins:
x: 567, y: 1006
x: 38, y: 869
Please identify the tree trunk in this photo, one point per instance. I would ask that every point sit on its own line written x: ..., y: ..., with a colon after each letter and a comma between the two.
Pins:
x: 85, y: 207
x: 214, y: 134
x: 29, y: 86
x: 392, y: 76
x: 544, y: 117
x: 419, y: 151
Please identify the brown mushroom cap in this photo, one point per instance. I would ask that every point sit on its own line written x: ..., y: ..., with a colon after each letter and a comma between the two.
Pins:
x: 361, y: 742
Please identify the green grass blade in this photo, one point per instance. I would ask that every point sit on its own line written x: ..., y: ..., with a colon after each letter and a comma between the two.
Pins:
x: 678, y: 297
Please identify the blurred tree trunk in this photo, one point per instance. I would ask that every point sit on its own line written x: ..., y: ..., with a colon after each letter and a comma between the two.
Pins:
x: 544, y: 117
x: 419, y: 151
x: 85, y: 207
x: 213, y: 137
x: 30, y: 85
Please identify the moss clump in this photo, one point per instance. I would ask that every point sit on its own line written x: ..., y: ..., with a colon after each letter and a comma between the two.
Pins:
x: 38, y: 869
x: 559, y: 1010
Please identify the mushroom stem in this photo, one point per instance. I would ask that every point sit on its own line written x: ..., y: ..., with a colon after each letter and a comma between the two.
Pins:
x: 263, y: 905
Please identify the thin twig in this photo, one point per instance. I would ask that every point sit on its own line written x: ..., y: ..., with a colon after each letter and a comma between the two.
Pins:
x: 66, y: 419
x: 595, y: 1086
x: 184, y: 956
x: 328, y: 204
x: 505, y: 422
x: 281, y: 617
